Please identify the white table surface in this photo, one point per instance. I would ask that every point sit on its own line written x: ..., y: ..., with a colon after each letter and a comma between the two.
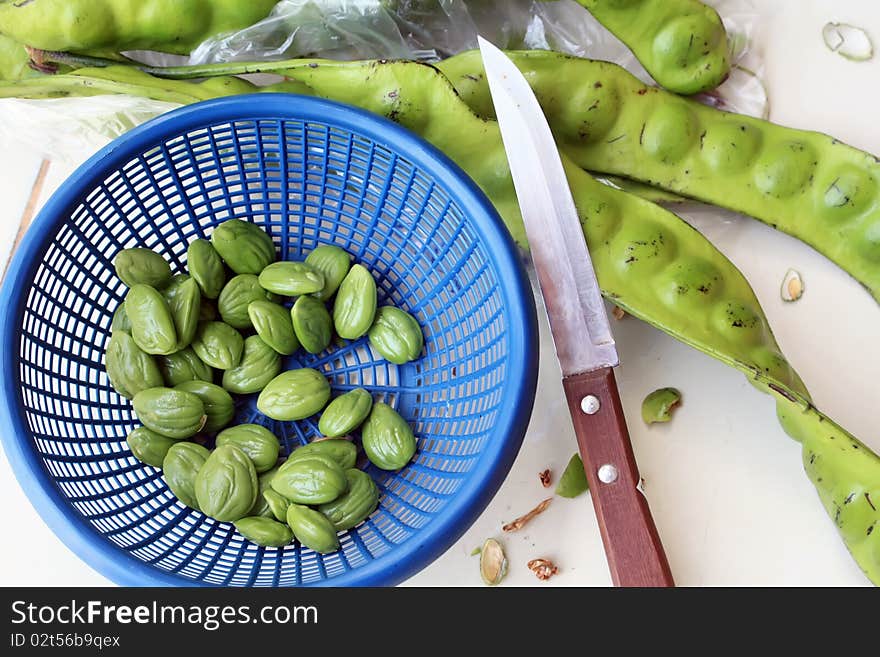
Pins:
x: 725, y: 483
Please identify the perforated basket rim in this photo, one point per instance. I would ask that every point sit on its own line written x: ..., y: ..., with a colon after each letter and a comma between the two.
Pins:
x: 403, y: 560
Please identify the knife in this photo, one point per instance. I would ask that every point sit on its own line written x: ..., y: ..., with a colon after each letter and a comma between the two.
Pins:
x: 579, y: 324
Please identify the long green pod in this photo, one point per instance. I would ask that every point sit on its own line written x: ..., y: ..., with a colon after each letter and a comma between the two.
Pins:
x: 117, y: 25
x: 806, y: 184
x: 423, y: 100
x: 128, y: 80
x: 846, y: 474
x: 681, y: 43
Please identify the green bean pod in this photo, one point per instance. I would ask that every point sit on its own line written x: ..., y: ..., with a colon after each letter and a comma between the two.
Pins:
x: 121, y: 79
x: 117, y: 25
x: 681, y: 43
x: 806, y: 184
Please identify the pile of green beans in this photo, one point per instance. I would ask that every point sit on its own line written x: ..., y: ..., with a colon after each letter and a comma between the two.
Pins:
x: 806, y: 184
x: 180, y: 363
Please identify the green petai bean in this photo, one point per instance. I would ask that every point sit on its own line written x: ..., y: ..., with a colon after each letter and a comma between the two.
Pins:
x: 180, y: 467
x: 259, y: 364
x: 219, y: 407
x: 276, y: 503
x: 226, y: 485
x: 345, y: 413
x: 273, y: 324
x: 344, y: 452
x: 355, y: 505
x: 237, y: 295
x: 387, y: 438
x: 129, y: 368
x: 573, y: 481
x: 206, y: 267
x: 120, y: 320
x: 218, y: 345
x: 169, y: 412
x: 312, y: 479
x: 260, y: 444
x: 658, y: 406
x: 264, y: 531
x: 184, y: 300
x: 182, y: 366
x: 291, y: 279
x: 681, y: 43
x: 244, y: 246
x: 143, y: 266
x: 312, y: 324
x: 333, y: 263
x: 396, y: 335
x: 152, y: 325
x: 355, y: 306
x: 148, y: 446
x: 294, y: 395
x: 312, y: 529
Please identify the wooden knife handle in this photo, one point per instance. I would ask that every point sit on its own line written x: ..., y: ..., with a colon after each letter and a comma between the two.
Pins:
x: 632, y: 544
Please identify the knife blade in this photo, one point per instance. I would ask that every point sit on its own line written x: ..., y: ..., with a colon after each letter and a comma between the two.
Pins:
x: 579, y: 325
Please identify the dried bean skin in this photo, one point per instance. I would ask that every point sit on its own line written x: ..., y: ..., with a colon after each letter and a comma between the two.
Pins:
x: 681, y: 43
x: 806, y: 184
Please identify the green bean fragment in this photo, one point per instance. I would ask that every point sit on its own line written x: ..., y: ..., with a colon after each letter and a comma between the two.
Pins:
x: 573, y: 481
x: 658, y: 406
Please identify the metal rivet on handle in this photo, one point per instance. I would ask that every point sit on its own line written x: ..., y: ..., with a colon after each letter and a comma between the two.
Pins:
x: 607, y: 474
x: 590, y: 404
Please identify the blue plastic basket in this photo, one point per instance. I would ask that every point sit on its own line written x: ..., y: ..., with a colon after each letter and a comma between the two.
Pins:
x: 310, y: 172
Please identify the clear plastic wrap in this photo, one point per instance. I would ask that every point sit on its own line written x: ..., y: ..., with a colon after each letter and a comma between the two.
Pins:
x: 425, y: 30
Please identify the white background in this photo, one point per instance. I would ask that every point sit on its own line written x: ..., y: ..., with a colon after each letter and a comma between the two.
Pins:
x: 725, y: 483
